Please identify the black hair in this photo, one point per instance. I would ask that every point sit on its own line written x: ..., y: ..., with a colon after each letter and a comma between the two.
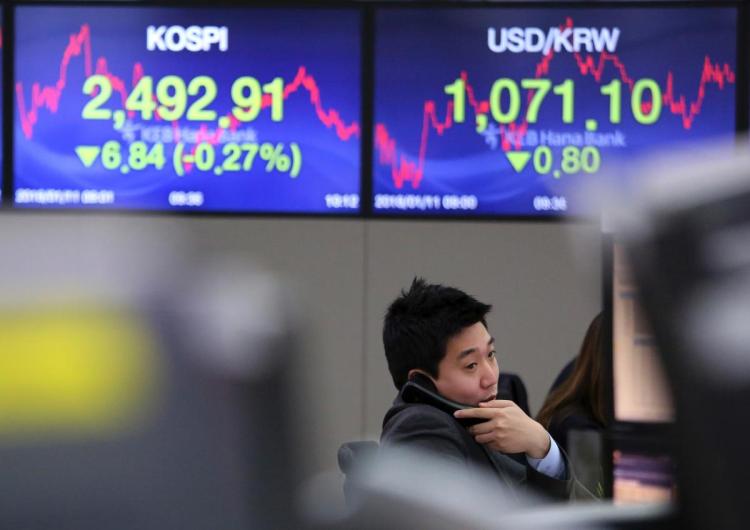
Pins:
x: 419, y: 323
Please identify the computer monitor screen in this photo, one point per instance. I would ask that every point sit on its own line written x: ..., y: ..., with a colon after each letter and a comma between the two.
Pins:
x: 642, y: 478
x: 508, y: 111
x: 214, y: 109
x: 641, y: 391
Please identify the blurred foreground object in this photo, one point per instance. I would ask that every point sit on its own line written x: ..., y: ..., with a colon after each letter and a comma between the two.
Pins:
x: 402, y: 489
x: 139, y: 388
x: 687, y: 232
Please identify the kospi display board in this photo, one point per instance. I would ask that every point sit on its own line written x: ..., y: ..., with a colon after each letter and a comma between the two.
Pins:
x: 157, y: 108
x: 2, y: 45
x: 508, y: 111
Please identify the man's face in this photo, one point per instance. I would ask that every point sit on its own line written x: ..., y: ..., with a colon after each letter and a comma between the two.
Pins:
x: 468, y: 373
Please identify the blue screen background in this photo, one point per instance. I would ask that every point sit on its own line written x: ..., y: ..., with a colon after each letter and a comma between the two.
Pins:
x: 263, y: 43
x: 419, y: 52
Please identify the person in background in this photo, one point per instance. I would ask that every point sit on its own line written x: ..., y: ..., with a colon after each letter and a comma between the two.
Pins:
x: 576, y: 399
x: 441, y: 334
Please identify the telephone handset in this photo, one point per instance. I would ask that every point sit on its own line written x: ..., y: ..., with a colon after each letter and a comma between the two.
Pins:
x: 419, y: 389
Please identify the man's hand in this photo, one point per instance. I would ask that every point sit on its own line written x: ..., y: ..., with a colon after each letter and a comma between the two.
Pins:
x: 507, y: 429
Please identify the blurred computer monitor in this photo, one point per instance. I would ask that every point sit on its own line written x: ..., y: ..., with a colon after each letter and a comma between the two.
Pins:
x: 641, y: 389
x: 687, y: 232
x: 140, y: 388
x: 636, y: 450
x: 642, y: 475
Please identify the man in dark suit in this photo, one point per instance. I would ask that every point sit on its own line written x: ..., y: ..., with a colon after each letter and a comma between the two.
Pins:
x: 441, y: 333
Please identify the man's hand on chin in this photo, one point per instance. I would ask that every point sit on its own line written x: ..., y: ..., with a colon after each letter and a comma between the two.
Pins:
x: 507, y: 429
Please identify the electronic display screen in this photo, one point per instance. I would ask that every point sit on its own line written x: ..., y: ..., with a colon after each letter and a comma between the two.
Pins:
x: 640, y: 385
x: 640, y: 478
x: 235, y: 110
x: 511, y: 111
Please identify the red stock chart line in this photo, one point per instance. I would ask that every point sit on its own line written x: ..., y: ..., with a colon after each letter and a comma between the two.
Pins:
x: 80, y: 44
x: 404, y: 169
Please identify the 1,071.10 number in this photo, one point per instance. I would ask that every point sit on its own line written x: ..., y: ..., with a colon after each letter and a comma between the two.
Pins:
x: 506, y: 89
